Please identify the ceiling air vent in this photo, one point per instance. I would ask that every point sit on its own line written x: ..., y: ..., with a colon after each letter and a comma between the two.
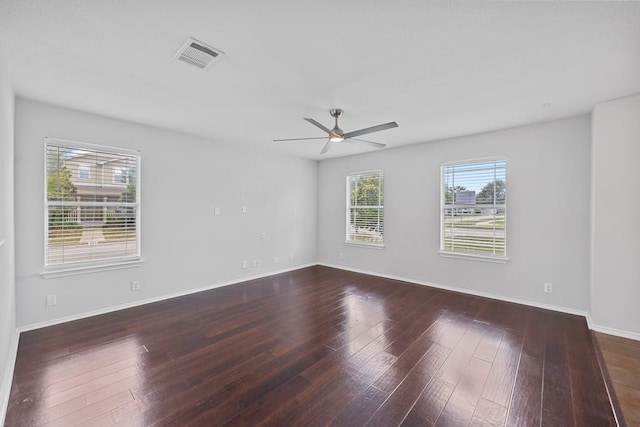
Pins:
x: 199, y: 54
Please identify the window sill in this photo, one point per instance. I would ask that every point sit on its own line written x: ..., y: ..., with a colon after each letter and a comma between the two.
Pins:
x: 73, y: 271
x: 472, y: 257
x: 366, y: 245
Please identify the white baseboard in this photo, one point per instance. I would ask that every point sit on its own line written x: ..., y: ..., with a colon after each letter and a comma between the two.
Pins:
x: 560, y: 309
x: 613, y: 331
x: 7, y: 377
x: 586, y: 314
x: 152, y: 300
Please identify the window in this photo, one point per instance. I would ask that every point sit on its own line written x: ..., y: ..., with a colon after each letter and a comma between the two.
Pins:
x: 83, y: 171
x: 473, y: 208
x: 91, y: 220
x: 365, y: 208
x: 120, y: 176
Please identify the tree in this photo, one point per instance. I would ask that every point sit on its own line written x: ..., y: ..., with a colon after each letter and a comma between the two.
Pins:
x: 486, y: 195
x: 367, y: 193
x: 129, y: 195
x: 59, y: 189
x: 59, y: 185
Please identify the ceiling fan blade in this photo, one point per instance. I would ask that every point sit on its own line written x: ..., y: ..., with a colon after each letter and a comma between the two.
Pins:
x: 370, y: 130
x: 326, y: 147
x: 319, y: 125
x: 371, y: 143
x: 298, y: 139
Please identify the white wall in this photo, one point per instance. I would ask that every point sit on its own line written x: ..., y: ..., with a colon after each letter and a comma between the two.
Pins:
x: 184, y: 245
x: 616, y: 210
x: 548, y: 180
x: 7, y: 282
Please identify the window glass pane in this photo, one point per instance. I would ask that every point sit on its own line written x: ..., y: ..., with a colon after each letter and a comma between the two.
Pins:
x: 474, y: 208
x: 92, y: 205
x: 365, y: 216
x: 83, y: 171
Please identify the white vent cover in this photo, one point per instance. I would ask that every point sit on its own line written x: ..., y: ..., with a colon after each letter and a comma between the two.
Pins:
x: 196, y: 53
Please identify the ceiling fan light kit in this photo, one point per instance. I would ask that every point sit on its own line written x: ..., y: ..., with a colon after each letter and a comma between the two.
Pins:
x: 338, y: 135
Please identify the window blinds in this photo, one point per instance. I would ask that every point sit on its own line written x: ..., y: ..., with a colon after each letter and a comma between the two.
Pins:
x: 474, y: 208
x: 365, y: 208
x: 92, y: 204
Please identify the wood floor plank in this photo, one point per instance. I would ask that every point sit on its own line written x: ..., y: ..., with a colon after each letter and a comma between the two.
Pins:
x: 526, y: 401
x: 590, y: 400
x: 92, y: 411
x: 621, y: 357
x: 316, y: 346
x: 399, y: 403
x: 488, y: 413
x: 557, y: 404
x: 429, y: 404
x: 499, y: 386
x: 462, y: 404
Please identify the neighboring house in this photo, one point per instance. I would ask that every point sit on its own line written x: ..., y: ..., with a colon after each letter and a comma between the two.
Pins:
x: 465, y: 197
x: 97, y: 179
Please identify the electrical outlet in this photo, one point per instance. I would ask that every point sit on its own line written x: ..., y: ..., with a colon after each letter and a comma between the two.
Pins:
x: 276, y: 259
x: 254, y: 263
x: 51, y: 300
x: 548, y: 288
x: 264, y: 234
x: 135, y: 285
x: 245, y: 264
x: 244, y: 209
x: 216, y: 211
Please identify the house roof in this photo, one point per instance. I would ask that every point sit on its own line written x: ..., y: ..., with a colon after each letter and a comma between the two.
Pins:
x: 440, y: 69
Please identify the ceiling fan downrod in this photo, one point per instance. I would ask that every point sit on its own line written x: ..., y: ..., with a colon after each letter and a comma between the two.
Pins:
x: 337, y: 134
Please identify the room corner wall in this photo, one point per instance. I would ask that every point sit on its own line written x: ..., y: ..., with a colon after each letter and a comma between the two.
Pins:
x: 548, y: 175
x: 7, y: 261
x: 615, y: 229
x: 194, y: 232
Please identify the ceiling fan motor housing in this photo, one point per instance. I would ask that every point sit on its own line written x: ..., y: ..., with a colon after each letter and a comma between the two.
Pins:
x: 336, y: 112
x: 337, y: 134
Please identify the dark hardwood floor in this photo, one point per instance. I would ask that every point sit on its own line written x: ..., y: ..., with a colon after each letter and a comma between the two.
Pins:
x: 316, y: 346
x: 622, y: 359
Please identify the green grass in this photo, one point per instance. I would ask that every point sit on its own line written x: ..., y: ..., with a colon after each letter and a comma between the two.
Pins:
x: 477, y: 223
x: 374, y: 239
x: 116, y: 233
x: 64, y: 237
x: 474, y: 244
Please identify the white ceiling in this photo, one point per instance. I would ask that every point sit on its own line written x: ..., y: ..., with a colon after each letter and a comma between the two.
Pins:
x: 438, y: 68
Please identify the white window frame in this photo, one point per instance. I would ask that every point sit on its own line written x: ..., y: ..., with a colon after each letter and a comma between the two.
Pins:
x: 497, y: 258
x: 349, y: 206
x: 81, y: 267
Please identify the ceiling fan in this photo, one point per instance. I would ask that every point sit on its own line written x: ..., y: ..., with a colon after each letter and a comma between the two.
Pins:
x: 338, y: 135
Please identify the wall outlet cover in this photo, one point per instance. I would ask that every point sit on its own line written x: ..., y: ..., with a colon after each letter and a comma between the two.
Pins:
x: 51, y: 300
